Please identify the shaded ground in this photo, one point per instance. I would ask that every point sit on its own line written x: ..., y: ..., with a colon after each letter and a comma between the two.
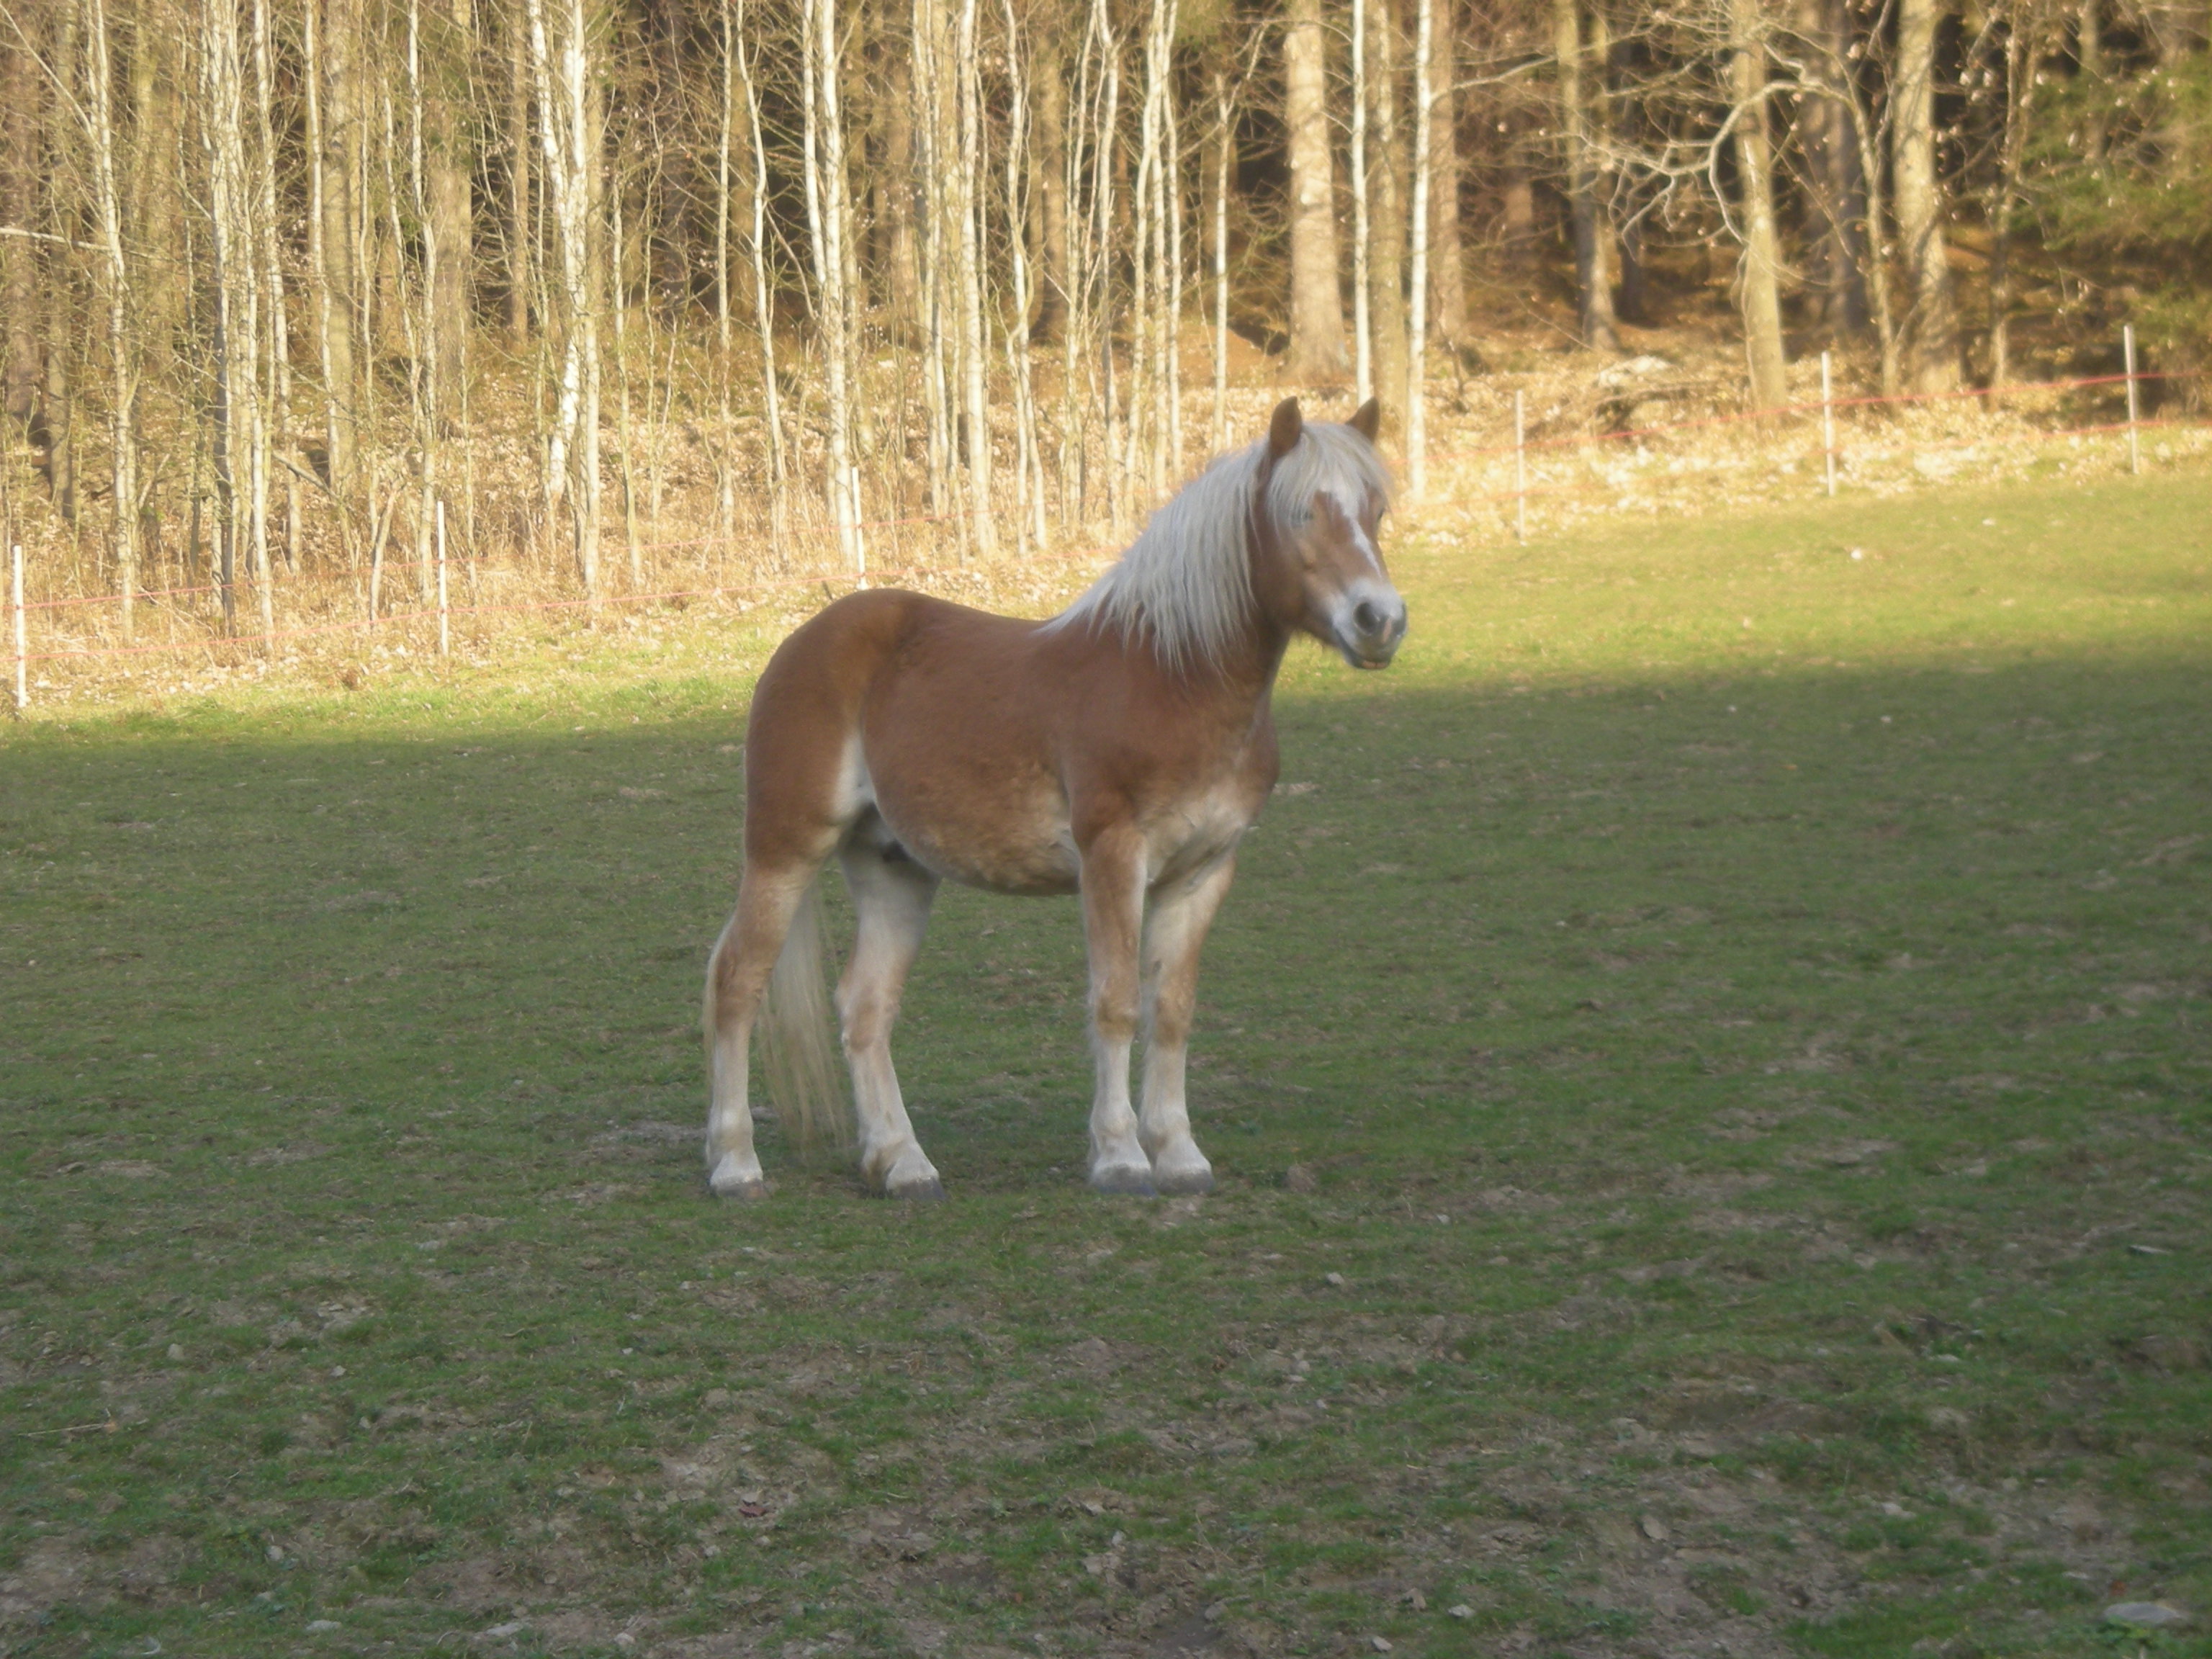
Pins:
x: 1734, y: 1012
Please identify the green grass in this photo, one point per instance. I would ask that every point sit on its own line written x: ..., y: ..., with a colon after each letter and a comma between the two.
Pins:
x: 1742, y: 1008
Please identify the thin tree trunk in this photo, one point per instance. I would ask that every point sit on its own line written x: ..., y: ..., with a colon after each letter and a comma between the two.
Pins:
x: 1758, y: 293
x: 449, y: 43
x: 58, y: 410
x: 1224, y: 160
x: 1385, y: 259
x: 154, y: 214
x: 1363, y: 214
x: 567, y: 91
x: 824, y: 156
x: 764, y: 301
x: 521, y: 223
x: 1417, y: 312
x: 1316, y: 305
x: 115, y: 281
x: 2024, y: 43
x: 1834, y: 199
x: 337, y: 302
x: 1931, y: 342
x: 1051, y: 175
x: 973, y: 362
x: 1593, y: 272
x: 238, y: 424
x: 895, y: 204
x: 1447, y: 250
x: 278, y: 431
x: 21, y: 105
x: 1018, y: 331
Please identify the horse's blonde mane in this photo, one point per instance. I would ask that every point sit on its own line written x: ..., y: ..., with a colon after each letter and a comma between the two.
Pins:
x: 1184, y: 587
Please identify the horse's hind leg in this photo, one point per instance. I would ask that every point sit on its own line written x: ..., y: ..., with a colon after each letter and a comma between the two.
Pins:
x: 1174, y: 931
x: 736, y: 980
x: 892, y: 894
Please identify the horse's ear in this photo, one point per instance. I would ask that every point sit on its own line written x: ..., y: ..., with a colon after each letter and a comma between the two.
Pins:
x: 1287, y: 426
x: 1367, y: 420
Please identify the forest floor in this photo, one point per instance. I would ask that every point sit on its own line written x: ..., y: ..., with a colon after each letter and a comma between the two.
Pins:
x: 1740, y: 1187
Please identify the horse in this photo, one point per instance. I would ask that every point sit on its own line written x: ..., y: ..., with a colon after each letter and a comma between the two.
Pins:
x: 1118, y: 751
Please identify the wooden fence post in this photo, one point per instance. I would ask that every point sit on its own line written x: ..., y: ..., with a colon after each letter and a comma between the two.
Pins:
x: 2128, y: 354
x: 1827, y: 425
x: 1519, y: 474
x: 444, y: 640
x: 15, y: 606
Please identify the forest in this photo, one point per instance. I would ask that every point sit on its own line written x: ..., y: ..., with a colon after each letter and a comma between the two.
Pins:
x: 298, y: 293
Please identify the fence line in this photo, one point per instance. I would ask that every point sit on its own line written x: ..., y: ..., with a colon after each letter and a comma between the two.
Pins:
x: 442, y: 611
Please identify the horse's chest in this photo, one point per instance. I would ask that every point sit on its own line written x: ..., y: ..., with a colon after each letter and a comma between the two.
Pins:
x: 1196, y: 826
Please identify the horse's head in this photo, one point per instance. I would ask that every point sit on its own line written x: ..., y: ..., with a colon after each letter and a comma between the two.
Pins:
x: 1318, y: 567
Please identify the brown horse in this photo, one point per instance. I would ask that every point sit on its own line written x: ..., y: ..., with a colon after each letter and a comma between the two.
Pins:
x: 1119, y: 751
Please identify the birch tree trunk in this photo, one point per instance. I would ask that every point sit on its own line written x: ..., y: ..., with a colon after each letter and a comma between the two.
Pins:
x: 1759, y: 294
x: 1931, y: 334
x: 1317, y: 351
x: 567, y: 89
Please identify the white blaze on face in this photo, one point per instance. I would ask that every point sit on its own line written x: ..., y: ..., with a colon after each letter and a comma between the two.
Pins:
x: 1351, y: 508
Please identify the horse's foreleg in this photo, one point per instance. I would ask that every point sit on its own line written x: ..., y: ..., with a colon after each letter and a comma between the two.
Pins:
x: 1112, y: 923
x: 1174, y: 931
x: 892, y: 895
x: 736, y: 980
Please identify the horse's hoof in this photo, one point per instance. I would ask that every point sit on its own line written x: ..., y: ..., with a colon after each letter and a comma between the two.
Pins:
x: 1189, y: 1184
x: 1124, y: 1181
x: 731, y: 1179
x: 931, y: 1191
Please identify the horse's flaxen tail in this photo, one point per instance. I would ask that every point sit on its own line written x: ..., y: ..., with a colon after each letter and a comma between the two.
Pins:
x: 799, y: 1046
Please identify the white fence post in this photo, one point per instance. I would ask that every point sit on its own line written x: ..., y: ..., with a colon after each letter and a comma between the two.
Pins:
x: 444, y: 642
x: 2127, y: 353
x: 1827, y: 425
x: 15, y: 606
x: 1519, y: 474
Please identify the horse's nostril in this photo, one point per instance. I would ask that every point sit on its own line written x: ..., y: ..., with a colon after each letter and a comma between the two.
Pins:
x: 1368, y: 619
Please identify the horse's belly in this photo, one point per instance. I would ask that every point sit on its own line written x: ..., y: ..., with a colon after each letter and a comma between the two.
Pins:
x: 1019, y: 847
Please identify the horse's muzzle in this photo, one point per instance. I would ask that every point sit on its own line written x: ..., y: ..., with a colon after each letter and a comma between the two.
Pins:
x: 1370, y: 627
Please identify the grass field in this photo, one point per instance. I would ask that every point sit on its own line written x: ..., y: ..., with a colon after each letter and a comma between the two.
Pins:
x: 1707, y: 1060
